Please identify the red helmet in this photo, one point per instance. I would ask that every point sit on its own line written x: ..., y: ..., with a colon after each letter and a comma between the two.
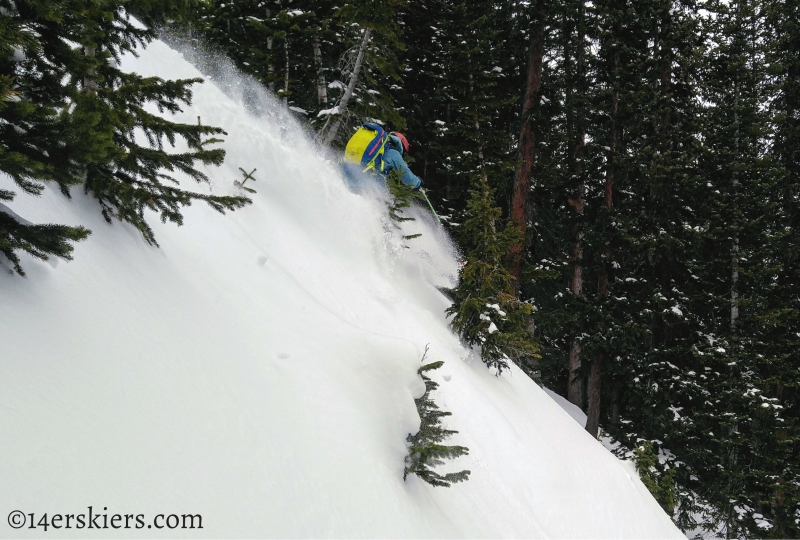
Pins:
x: 402, y: 139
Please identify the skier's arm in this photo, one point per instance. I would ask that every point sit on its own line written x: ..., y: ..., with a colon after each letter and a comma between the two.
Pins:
x: 394, y: 161
x: 409, y: 178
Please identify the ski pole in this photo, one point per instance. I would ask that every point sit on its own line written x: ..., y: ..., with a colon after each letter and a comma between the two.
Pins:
x: 421, y: 190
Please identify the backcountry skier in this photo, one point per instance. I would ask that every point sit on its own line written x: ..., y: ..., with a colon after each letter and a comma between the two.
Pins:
x: 373, y: 153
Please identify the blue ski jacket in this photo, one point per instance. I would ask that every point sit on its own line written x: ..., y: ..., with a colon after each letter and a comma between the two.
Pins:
x: 393, y: 160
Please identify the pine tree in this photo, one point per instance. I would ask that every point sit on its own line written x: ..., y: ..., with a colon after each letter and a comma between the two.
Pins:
x: 402, y: 197
x: 126, y: 177
x: 41, y: 141
x: 549, y: 237
x: 735, y: 270
x: 40, y: 241
x: 661, y: 485
x: 230, y: 26
x: 170, y: 13
x: 305, y: 52
x: 650, y: 101
x: 780, y: 338
x: 425, y: 449
x: 264, y: 39
x: 419, y: 98
x: 694, y: 267
x: 460, y: 95
x: 80, y: 114
x: 486, y: 311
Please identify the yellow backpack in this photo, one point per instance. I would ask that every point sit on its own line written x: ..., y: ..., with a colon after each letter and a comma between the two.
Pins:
x: 366, y: 148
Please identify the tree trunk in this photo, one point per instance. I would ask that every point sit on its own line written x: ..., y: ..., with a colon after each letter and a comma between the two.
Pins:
x: 527, y: 150
x: 575, y: 385
x: 322, y: 87
x: 593, y: 414
x: 596, y: 370
x: 576, y: 126
x: 330, y: 134
x: 271, y: 66
x: 596, y: 374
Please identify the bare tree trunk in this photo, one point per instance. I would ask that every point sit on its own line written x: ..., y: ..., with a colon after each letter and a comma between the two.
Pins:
x: 575, y: 386
x: 576, y: 126
x: 330, y: 134
x: 734, y: 282
x: 596, y: 372
x: 596, y: 378
x: 322, y: 87
x: 731, y: 522
x: 593, y: 414
x: 527, y: 150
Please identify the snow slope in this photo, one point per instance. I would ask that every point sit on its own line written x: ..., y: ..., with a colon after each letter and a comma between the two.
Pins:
x: 260, y: 369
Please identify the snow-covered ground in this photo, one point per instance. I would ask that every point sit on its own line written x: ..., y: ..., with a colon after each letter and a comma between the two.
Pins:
x: 259, y: 369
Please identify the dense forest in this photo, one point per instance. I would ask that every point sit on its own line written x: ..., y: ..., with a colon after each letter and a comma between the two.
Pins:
x: 622, y: 178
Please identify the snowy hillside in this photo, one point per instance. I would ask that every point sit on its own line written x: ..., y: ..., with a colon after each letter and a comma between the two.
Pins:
x: 259, y: 369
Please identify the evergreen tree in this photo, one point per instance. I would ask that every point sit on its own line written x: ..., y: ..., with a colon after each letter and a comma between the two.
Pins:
x: 780, y: 337
x: 305, y: 52
x: 72, y: 117
x: 403, y: 197
x: 661, y: 485
x: 230, y: 26
x: 735, y: 270
x: 171, y: 13
x: 127, y: 177
x: 460, y: 95
x: 486, y: 311
x: 264, y: 39
x: 40, y: 140
x: 420, y: 97
x: 40, y: 241
x: 425, y: 449
x: 520, y: 205
x: 648, y: 325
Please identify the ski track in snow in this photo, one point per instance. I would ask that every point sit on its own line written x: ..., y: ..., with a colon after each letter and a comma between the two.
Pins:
x: 260, y: 369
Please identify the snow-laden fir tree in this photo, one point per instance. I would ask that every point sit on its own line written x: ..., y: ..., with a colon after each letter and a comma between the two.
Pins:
x: 727, y: 432
x: 485, y: 310
x: 658, y: 311
x: 425, y: 448
x: 781, y: 329
x: 460, y: 94
x: 642, y: 245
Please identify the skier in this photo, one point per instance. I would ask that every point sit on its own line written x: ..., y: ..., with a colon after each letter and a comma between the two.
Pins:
x: 372, y: 154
